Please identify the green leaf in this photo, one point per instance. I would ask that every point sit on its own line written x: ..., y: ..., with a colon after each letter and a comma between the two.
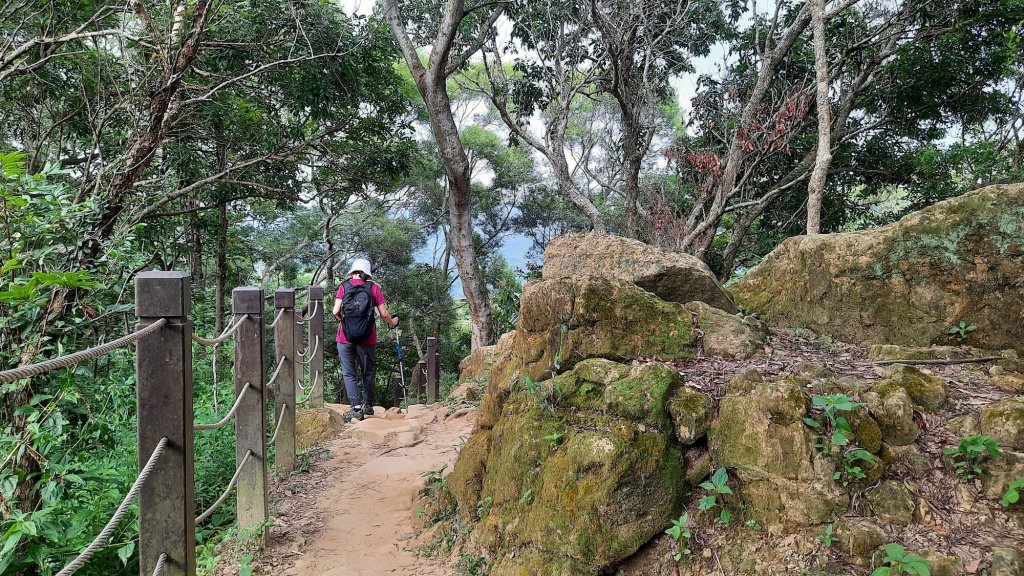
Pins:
x: 720, y: 477
x: 812, y: 423
x: 707, y: 503
x: 125, y: 552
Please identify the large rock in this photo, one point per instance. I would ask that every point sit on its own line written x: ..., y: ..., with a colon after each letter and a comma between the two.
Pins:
x: 906, y: 283
x: 672, y: 276
x: 583, y: 467
x: 891, y: 407
x: 316, y: 425
x: 566, y: 320
x: 475, y: 369
x: 760, y: 436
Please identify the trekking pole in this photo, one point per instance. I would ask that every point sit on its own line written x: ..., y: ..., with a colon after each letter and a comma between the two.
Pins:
x: 401, y: 369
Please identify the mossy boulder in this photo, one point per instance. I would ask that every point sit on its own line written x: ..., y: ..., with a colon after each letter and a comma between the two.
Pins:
x: 859, y: 539
x: 908, y: 282
x: 890, y: 352
x: 566, y: 320
x: 940, y: 564
x: 316, y: 425
x: 727, y: 335
x: 760, y: 435
x: 1004, y: 422
x: 925, y: 389
x: 583, y: 468
x: 691, y: 414
x: 891, y: 503
x: 999, y: 473
x: 672, y: 276
x: 1010, y: 381
x: 891, y: 407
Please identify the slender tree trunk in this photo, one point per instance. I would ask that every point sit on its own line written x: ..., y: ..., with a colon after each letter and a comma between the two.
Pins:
x: 222, y: 265
x: 565, y: 181
x: 816, y: 186
x: 329, y: 244
x: 431, y: 82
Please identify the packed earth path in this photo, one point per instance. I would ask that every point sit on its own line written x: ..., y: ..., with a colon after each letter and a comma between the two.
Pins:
x: 352, y: 513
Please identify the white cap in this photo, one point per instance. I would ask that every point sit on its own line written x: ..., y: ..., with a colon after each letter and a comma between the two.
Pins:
x: 361, y: 265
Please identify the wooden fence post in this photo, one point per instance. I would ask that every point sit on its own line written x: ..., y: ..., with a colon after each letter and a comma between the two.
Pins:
x: 251, y: 418
x: 164, y: 388
x: 284, y: 344
x: 317, y: 340
x: 420, y: 381
x: 432, y: 370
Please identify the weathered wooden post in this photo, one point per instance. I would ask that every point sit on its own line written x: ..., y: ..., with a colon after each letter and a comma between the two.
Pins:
x: 432, y: 395
x: 420, y: 381
x: 316, y: 339
x: 284, y: 386
x: 250, y: 420
x: 164, y: 388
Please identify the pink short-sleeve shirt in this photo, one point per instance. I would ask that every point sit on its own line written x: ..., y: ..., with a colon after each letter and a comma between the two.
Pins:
x: 378, y: 298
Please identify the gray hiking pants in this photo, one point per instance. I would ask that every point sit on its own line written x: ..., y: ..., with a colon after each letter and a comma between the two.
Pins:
x: 366, y: 356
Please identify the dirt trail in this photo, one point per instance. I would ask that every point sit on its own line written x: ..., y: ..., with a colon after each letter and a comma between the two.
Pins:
x: 352, y: 515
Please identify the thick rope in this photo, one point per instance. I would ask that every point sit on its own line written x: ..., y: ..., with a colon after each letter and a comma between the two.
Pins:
x: 231, y: 414
x: 277, y: 373
x: 316, y: 306
x: 277, y: 319
x: 64, y: 361
x: 108, y: 530
x: 160, y: 565
x: 307, y: 359
x: 279, y: 421
x: 316, y: 380
x: 224, y: 336
x: 224, y: 496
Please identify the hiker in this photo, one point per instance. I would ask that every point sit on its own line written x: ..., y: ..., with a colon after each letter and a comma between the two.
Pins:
x: 354, y: 307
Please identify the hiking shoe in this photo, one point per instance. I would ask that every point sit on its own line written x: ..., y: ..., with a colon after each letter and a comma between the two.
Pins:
x: 353, y: 414
x: 368, y: 410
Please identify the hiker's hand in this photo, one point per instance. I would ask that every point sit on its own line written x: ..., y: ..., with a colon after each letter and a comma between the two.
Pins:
x: 394, y: 317
x: 337, y: 315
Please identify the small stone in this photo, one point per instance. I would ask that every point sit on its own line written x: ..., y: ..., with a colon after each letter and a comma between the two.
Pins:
x: 810, y: 370
x: 924, y: 388
x: 859, y: 539
x: 966, y: 425
x: 1006, y: 562
x: 1004, y: 422
x: 942, y: 565
x: 744, y: 381
x: 892, y: 409
x: 892, y: 503
x: 996, y: 370
x: 1011, y: 382
x: 691, y: 414
x: 912, y: 457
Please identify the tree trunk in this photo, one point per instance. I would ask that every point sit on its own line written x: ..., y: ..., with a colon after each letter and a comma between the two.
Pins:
x: 816, y: 186
x: 222, y: 266
x: 460, y: 209
x: 431, y: 82
x: 565, y: 181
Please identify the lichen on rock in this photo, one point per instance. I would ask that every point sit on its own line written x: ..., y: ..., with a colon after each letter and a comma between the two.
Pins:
x: 906, y: 283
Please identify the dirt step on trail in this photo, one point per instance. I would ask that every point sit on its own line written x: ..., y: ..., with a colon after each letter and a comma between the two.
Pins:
x: 352, y: 514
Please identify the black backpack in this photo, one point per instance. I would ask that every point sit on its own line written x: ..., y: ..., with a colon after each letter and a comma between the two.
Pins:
x: 357, y: 318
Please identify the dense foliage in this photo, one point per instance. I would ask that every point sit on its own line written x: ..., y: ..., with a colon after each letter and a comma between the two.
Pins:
x: 268, y: 143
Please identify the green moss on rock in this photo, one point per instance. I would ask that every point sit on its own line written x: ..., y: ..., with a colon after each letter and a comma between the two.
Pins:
x: 1004, y: 422
x: 926, y: 390
x: 691, y: 414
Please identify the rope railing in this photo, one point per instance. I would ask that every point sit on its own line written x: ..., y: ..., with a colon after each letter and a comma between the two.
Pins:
x: 16, y: 374
x: 231, y: 484
x: 279, y: 421
x: 307, y: 358
x: 224, y: 336
x: 231, y: 413
x: 159, y: 569
x: 273, y: 377
x: 304, y: 319
x: 311, y: 388
x: 101, y: 540
x: 276, y: 319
